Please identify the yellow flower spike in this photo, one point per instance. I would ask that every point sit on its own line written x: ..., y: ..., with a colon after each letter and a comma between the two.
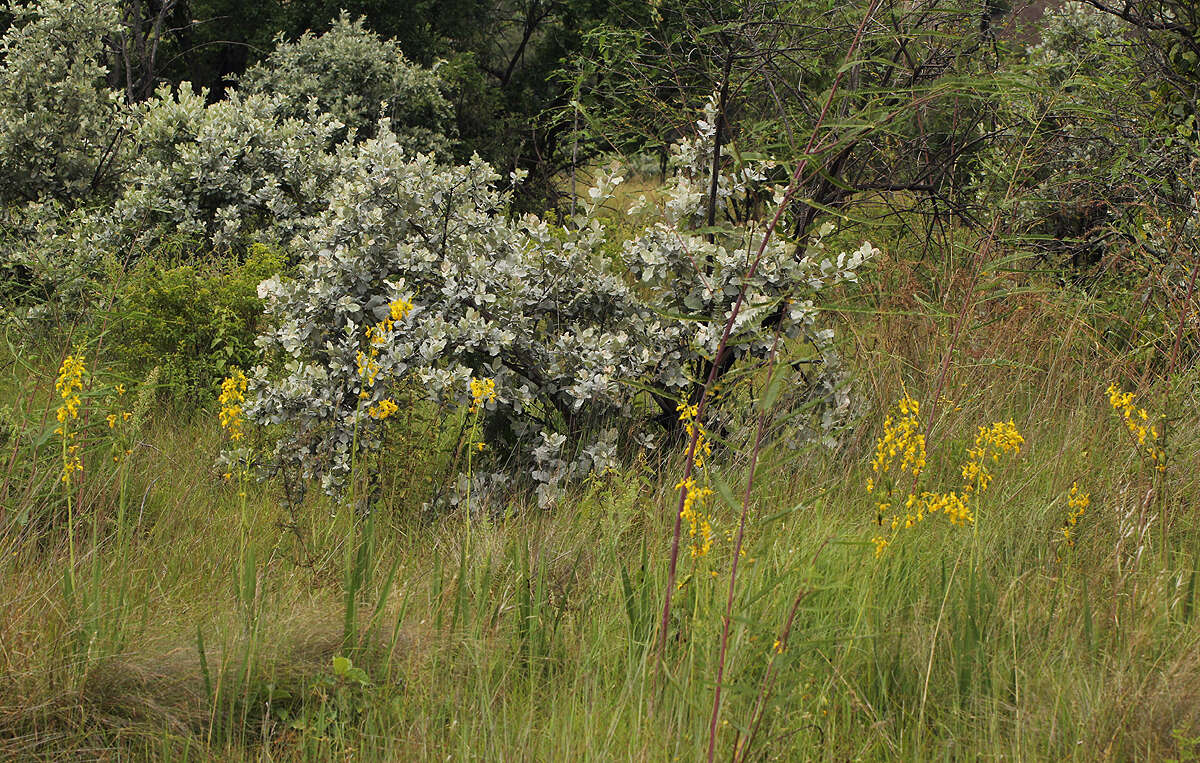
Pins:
x: 694, y: 496
x: 233, y: 394
x: 1077, y: 503
x: 68, y: 385
x: 482, y: 391
x: 901, y: 439
x: 1136, y: 420
x: 881, y: 543
x: 112, y: 420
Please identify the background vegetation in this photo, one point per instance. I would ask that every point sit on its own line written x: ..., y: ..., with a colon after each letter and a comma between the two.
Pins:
x: 317, y: 444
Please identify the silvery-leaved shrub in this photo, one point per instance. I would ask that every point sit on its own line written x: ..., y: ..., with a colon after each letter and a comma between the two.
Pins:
x: 60, y: 127
x: 352, y: 74
x: 581, y: 345
x: 223, y: 173
x: 50, y: 260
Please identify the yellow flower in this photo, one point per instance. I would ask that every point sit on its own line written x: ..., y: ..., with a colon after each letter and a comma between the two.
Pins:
x: 703, y: 449
x: 368, y: 369
x: 68, y: 385
x: 699, y: 528
x: 1077, y: 503
x: 400, y: 308
x: 1001, y: 438
x: 233, y: 394
x: 881, y: 543
x: 482, y: 391
x: 1136, y: 420
x: 382, y: 409
x: 901, y: 438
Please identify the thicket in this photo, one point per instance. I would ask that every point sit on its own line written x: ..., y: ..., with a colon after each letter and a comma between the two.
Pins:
x: 333, y: 250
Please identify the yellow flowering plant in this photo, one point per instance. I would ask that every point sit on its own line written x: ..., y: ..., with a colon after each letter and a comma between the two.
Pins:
x: 483, y: 392
x: 901, y: 451
x: 695, y: 494
x: 233, y: 395
x: 117, y: 422
x: 68, y: 385
x: 234, y: 462
x: 1077, y: 504
x: 1145, y: 434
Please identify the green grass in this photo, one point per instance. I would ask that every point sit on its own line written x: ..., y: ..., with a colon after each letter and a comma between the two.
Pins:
x: 537, y: 642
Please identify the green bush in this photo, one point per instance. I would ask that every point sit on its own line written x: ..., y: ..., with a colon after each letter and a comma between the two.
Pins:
x: 194, y: 321
x: 358, y: 78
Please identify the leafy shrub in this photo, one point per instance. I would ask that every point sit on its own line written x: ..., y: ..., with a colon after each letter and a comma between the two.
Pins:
x: 573, y: 340
x: 358, y: 78
x: 50, y: 258
x: 196, y: 322
x: 223, y: 173
x: 1086, y: 138
x: 60, y: 127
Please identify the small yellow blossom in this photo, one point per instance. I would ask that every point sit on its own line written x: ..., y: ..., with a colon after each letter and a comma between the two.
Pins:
x: 881, y: 543
x: 1137, y: 420
x: 703, y: 449
x: 902, y: 439
x: 400, y: 308
x: 699, y: 528
x: 368, y: 369
x: 1077, y: 503
x: 1001, y: 438
x: 382, y: 409
x: 482, y: 391
x: 68, y: 385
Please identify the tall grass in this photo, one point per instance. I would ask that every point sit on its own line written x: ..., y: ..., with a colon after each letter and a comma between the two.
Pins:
x: 538, y: 640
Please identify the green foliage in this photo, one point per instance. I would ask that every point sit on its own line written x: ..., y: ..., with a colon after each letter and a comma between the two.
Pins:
x: 1085, y: 142
x: 50, y: 261
x: 60, y: 128
x: 225, y: 173
x: 358, y: 78
x: 574, y: 338
x: 195, y: 321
